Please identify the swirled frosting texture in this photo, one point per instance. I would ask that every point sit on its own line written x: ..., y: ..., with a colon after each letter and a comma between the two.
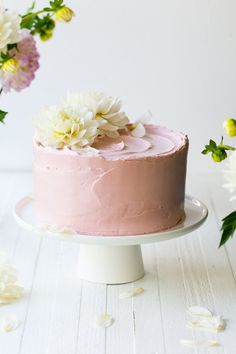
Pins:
x: 130, y: 186
x: 157, y: 141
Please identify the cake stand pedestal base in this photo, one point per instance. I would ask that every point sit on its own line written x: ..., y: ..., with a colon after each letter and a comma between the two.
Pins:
x: 111, y: 259
x: 110, y: 264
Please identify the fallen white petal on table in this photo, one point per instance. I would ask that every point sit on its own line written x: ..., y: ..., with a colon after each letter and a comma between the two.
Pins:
x: 131, y: 293
x: 193, y: 343
x: 104, y: 320
x: 199, y: 311
x: 9, y: 290
x: 188, y: 342
x: 213, y: 343
x: 63, y: 231
x: 10, y: 323
x: 215, y: 323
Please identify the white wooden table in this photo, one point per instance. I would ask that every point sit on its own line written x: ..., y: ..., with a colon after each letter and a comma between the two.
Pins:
x: 58, y: 310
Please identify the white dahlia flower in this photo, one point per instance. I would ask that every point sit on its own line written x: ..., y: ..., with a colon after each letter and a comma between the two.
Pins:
x: 66, y: 126
x: 230, y: 175
x: 106, y: 110
x: 9, y: 28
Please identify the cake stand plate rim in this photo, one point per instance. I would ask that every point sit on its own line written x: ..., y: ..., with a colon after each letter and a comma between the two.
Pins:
x: 196, y: 214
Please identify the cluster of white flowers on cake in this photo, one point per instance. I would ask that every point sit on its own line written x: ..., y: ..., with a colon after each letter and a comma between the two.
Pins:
x: 81, y: 118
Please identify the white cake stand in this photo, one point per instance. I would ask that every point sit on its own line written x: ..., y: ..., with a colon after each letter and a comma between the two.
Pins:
x: 111, y: 259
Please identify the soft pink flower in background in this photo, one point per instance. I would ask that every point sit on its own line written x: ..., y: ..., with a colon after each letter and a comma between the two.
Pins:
x: 27, y: 56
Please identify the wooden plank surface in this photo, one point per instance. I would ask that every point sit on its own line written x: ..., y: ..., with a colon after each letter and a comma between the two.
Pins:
x: 58, y: 310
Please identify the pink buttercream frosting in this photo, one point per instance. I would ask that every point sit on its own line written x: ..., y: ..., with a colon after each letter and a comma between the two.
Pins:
x: 157, y: 141
x: 126, y: 186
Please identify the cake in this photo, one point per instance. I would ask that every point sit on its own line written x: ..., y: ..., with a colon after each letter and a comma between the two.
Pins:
x: 123, y: 184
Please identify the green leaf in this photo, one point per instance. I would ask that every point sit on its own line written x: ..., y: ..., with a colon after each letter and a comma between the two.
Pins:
x: 28, y: 21
x: 56, y: 4
x: 43, y: 25
x: 11, y: 46
x: 212, y: 143
x: 226, y: 235
x: 32, y: 7
x: 230, y: 216
x: 218, y: 152
x: 205, y: 151
x: 228, y: 228
x: 2, y: 116
x: 4, y: 56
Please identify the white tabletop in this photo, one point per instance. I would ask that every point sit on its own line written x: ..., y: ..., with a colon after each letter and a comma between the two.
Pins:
x: 58, y: 310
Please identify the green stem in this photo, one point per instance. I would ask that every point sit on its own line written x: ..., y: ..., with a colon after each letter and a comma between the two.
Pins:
x: 227, y: 147
x: 35, y: 13
x: 26, y: 18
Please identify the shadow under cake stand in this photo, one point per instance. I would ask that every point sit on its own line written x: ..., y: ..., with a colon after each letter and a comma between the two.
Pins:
x: 111, y: 259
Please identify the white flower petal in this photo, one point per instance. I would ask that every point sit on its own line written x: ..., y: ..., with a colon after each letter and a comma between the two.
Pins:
x: 111, y: 134
x: 145, y: 117
x: 213, y: 343
x: 189, y: 342
x: 104, y: 320
x: 9, y: 28
x: 214, y: 323
x: 10, y: 323
x: 109, y: 127
x: 219, y: 323
x: 9, y: 290
x: 63, y: 231
x: 193, y: 343
x: 131, y: 293
x: 139, y: 131
x: 199, y: 311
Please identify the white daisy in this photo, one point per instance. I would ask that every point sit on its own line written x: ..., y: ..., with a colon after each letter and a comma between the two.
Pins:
x: 10, y: 32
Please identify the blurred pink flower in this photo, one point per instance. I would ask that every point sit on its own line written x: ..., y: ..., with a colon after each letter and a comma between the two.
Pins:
x: 27, y: 56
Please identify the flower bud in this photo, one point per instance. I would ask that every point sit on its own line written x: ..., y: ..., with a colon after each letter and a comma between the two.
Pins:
x: 10, y: 66
x: 46, y: 35
x: 64, y: 14
x: 219, y: 155
x: 230, y: 126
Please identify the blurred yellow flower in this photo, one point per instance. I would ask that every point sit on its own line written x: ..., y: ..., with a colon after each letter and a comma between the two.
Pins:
x: 64, y: 14
x: 229, y: 126
x: 10, y: 66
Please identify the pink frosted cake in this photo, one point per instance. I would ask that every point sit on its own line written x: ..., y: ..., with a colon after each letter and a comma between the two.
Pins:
x: 121, y: 185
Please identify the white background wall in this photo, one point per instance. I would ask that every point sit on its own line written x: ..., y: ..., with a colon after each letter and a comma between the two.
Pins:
x: 174, y: 57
